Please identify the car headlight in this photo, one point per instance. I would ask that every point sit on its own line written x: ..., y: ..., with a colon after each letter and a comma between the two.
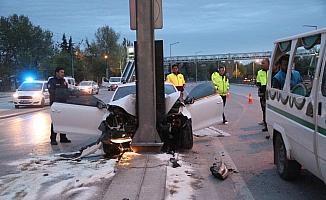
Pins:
x: 15, y: 95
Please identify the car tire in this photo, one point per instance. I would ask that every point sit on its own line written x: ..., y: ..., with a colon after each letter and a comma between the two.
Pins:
x: 287, y: 169
x: 111, y: 150
x: 16, y: 106
x: 187, y: 140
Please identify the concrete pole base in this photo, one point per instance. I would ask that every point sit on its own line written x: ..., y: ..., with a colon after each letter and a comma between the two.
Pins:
x: 146, y: 147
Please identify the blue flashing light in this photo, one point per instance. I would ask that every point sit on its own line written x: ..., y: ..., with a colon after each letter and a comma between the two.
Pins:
x: 29, y: 79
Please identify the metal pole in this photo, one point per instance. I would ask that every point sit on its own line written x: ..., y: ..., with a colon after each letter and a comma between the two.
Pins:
x: 253, y: 70
x: 106, y: 68
x: 313, y: 26
x: 236, y: 70
x: 72, y: 64
x: 171, y: 51
x: 197, y: 64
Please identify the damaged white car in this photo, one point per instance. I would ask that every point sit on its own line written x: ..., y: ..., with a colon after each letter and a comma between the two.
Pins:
x: 201, y: 108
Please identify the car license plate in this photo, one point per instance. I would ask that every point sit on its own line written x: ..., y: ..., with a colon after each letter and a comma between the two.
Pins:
x: 24, y: 101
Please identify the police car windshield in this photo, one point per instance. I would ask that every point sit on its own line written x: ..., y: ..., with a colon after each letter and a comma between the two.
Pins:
x: 30, y: 87
x: 126, y: 90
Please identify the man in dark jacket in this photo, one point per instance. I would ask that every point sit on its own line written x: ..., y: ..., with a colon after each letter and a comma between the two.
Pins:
x: 58, y: 89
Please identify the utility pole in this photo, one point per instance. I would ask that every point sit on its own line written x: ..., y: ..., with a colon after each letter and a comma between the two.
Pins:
x: 197, y: 64
x: 174, y: 43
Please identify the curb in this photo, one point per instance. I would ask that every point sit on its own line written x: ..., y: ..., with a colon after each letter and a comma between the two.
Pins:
x: 21, y: 113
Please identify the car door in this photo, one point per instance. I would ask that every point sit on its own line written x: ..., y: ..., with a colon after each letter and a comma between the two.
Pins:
x: 77, y: 117
x: 207, y: 108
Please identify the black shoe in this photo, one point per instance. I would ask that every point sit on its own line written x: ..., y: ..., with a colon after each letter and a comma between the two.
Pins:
x: 65, y: 140
x: 264, y: 129
x: 53, y: 142
x: 267, y: 136
x: 225, y: 122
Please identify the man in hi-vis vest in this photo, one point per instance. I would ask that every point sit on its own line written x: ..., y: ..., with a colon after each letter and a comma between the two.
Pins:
x: 176, y: 78
x: 222, y: 86
x: 261, y: 82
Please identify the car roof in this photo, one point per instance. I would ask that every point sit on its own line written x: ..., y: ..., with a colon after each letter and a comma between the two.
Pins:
x: 35, y: 81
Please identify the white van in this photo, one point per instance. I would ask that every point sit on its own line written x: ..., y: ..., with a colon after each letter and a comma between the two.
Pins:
x: 72, y: 86
x: 296, y: 105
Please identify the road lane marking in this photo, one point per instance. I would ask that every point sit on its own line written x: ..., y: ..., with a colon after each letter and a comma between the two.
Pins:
x: 211, y: 131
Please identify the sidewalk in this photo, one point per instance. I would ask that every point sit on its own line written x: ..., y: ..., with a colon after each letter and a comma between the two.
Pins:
x: 138, y: 176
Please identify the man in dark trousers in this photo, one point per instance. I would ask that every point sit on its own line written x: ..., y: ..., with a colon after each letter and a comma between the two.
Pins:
x: 261, y: 82
x: 58, y: 89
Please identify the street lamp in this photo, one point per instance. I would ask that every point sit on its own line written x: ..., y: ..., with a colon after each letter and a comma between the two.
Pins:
x: 313, y: 26
x: 197, y: 64
x: 107, y: 66
x: 170, y: 49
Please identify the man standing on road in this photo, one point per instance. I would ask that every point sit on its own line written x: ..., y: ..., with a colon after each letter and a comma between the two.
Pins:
x: 176, y: 78
x: 261, y: 82
x: 222, y: 86
x: 58, y: 89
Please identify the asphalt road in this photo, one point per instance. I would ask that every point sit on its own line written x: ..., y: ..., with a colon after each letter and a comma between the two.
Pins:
x: 246, y: 151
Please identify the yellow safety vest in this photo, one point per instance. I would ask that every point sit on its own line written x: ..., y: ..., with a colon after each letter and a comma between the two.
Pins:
x: 221, y: 83
x: 262, y: 77
x: 176, y: 80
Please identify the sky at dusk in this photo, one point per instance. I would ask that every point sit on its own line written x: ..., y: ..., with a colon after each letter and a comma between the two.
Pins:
x: 201, y: 27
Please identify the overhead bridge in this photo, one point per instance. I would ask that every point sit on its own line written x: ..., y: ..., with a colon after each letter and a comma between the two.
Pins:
x: 217, y: 57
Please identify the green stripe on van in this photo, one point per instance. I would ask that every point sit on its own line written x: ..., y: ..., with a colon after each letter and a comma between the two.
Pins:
x: 305, y: 123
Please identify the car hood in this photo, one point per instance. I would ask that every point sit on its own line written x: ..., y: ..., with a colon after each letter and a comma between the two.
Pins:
x: 128, y: 103
x: 28, y: 93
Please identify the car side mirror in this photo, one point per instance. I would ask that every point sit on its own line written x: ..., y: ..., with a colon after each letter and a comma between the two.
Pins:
x: 189, y: 100
x: 101, y: 105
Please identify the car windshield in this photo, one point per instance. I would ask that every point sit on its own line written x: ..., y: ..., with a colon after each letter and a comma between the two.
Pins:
x: 115, y: 79
x: 30, y: 87
x: 202, y: 90
x: 85, y: 83
x: 126, y: 90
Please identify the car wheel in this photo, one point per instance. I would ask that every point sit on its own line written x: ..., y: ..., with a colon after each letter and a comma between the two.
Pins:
x: 287, y: 169
x: 16, y: 106
x: 42, y: 103
x: 187, y: 140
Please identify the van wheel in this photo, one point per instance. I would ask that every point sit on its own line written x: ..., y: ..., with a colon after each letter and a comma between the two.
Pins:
x: 16, y: 106
x: 187, y: 140
x: 287, y: 169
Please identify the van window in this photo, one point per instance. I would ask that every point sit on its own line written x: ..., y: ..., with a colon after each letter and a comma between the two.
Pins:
x: 280, y: 64
x: 304, y: 65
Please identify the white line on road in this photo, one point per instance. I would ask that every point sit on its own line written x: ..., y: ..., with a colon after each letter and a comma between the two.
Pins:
x: 211, y: 131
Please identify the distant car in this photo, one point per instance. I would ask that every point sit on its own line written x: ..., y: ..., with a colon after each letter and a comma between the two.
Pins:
x: 203, y: 107
x: 114, y: 82
x: 88, y: 87
x: 32, y: 93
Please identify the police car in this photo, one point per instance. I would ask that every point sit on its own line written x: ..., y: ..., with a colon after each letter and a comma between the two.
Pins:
x: 32, y: 93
